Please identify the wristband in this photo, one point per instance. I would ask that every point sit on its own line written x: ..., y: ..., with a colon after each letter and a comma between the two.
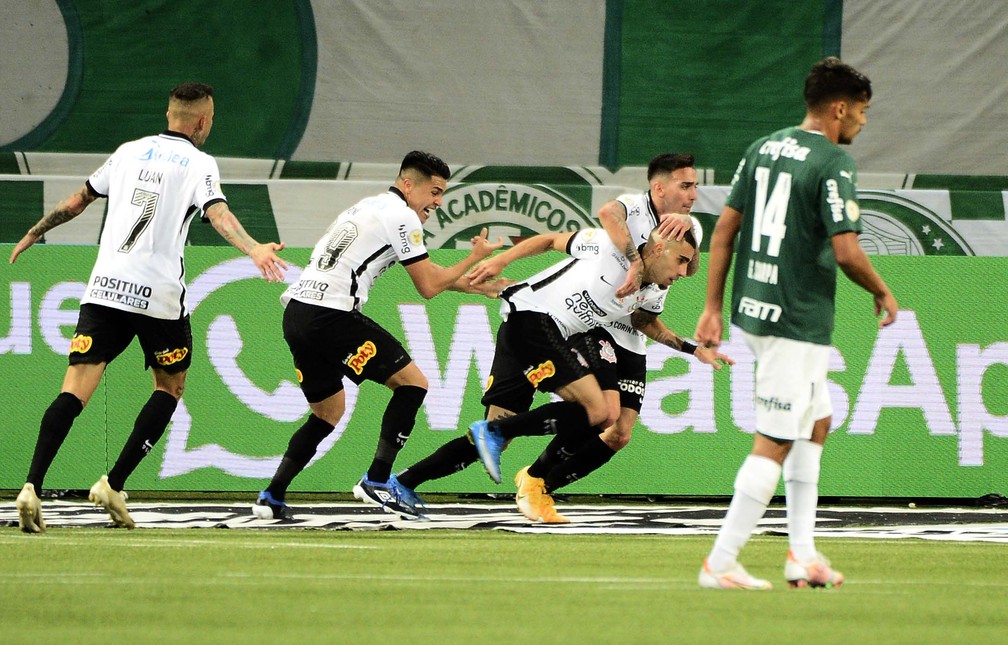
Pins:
x: 688, y: 347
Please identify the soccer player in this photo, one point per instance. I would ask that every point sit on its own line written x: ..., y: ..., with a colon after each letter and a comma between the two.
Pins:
x: 155, y: 187
x: 629, y: 219
x: 330, y: 338
x: 535, y: 350
x: 793, y: 207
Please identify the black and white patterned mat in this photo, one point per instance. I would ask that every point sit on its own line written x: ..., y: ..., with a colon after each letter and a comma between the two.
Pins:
x: 958, y: 524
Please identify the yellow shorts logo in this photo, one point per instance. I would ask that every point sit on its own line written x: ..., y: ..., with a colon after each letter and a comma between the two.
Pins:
x: 541, y: 373
x: 364, y: 353
x: 300, y: 376
x: 171, y: 356
x: 489, y: 384
x: 80, y: 344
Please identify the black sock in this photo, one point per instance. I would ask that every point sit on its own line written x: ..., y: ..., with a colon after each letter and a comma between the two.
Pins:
x: 592, y: 455
x: 450, y: 458
x: 552, y: 418
x: 300, y: 449
x: 397, y: 424
x: 560, y: 449
x: 147, y: 430
x: 55, y: 426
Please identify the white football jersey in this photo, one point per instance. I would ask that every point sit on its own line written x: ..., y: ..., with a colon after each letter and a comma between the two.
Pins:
x: 580, y: 294
x: 155, y: 186
x: 363, y: 242
x: 642, y: 217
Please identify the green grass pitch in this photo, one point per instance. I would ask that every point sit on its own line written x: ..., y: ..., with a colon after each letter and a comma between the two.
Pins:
x: 440, y: 586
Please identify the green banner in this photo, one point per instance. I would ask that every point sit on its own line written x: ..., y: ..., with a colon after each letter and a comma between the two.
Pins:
x: 921, y: 408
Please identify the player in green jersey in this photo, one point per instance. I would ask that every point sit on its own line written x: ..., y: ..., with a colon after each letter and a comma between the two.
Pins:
x: 793, y: 207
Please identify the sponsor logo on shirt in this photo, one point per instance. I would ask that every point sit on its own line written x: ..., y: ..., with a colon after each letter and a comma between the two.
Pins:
x: 170, y: 356
x: 581, y: 305
x: 539, y: 374
x: 404, y: 240
x: 787, y: 148
x: 123, y: 292
x: 310, y: 289
x: 80, y: 344
x: 759, y: 309
x: 632, y: 387
x: 365, y: 352
x: 836, y: 204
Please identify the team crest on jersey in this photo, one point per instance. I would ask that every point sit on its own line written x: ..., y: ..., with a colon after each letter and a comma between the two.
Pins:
x: 357, y: 361
x: 853, y: 210
x: 171, y: 356
x: 539, y: 374
x: 607, y: 353
x: 80, y: 344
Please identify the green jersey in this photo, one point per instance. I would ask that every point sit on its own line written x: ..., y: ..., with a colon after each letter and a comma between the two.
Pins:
x: 796, y: 190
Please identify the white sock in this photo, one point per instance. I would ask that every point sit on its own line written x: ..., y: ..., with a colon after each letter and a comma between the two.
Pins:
x: 801, y: 483
x: 754, y: 486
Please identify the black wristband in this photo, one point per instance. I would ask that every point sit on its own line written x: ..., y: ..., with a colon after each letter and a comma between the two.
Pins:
x: 688, y: 347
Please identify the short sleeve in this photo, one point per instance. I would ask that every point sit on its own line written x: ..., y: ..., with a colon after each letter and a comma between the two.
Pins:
x: 838, y: 205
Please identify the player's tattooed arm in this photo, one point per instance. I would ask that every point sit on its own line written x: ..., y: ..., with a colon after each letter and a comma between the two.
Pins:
x: 66, y: 210
x: 655, y: 329
x: 264, y: 255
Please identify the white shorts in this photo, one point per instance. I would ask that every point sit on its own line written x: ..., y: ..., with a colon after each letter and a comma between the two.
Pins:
x: 791, y: 392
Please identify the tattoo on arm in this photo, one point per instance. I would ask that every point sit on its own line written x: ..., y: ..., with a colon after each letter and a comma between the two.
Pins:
x: 631, y: 251
x: 644, y: 321
x: 65, y: 211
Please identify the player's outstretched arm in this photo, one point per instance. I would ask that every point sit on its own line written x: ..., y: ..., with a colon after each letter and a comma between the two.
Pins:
x: 264, y: 255
x: 535, y: 245
x: 855, y: 264
x: 710, y: 325
x: 653, y: 327
x: 65, y: 211
x: 430, y: 279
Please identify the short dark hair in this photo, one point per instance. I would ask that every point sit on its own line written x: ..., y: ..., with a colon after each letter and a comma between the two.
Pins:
x: 426, y: 164
x: 669, y: 162
x: 187, y: 92
x: 832, y: 79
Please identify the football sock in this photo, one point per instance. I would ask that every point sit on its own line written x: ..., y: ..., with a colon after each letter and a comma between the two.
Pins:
x: 53, y: 430
x: 300, y: 449
x: 754, y: 487
x: 563, y: 446
x: 551, y: 418
x: 453, y: 457
x: 397, y: 424
x: 591, y: 456
x: 801, y: 484
x: 148, y: 429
